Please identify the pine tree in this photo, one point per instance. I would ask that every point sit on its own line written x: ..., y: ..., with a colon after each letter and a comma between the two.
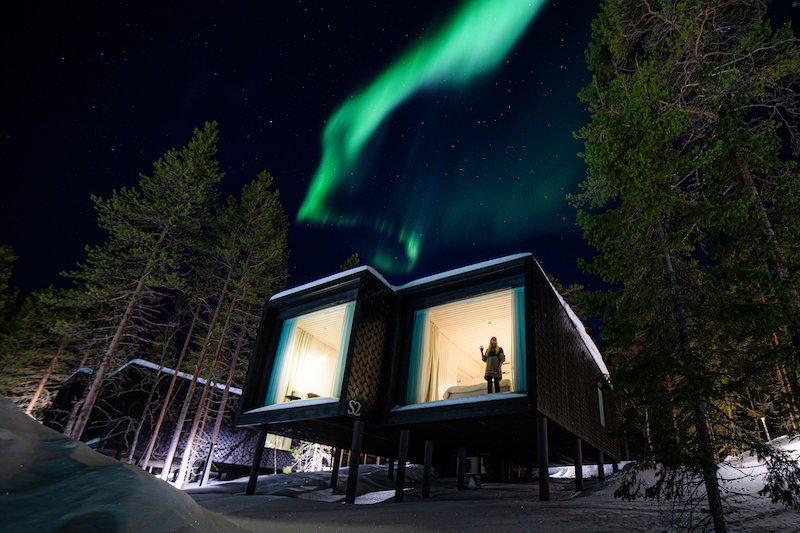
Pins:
x: 35, y: 348
x: 351, y: 262
x: 149, y: 228
x: 250, y: 258
x: 684, y: 158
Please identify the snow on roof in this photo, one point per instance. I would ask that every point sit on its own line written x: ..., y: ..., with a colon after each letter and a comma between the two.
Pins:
x: 414, y: 283
x: 328, y: 279
x: 581, y: 329
x: 462, y: 270
x: 154, y: 366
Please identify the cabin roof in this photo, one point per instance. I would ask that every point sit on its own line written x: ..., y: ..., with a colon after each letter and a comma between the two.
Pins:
x: 154, y: 366
x: 463, y: 270
x: 396, y: 288
x: 581, y: 329
x: 328, y: 279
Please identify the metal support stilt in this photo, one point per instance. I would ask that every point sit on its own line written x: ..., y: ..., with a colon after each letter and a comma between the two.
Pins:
x: 355, y: 458
x: 462, y: 466
x: 601, y: 469
x: 335, y: 468
x: 256, y: 466
x: 544, y: 458
x: 426, y: 473
x: 578, y: 464
x: 402, y: 455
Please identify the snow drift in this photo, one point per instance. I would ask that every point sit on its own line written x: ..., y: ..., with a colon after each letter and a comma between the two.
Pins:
x: 51, y: 483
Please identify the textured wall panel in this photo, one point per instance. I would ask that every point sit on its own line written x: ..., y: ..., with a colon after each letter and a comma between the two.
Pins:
x: 566, y: 375
x: 370, y: 334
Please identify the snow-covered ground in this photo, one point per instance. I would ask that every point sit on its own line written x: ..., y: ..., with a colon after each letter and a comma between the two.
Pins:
x: 744, y: 473
x: 49, y: 483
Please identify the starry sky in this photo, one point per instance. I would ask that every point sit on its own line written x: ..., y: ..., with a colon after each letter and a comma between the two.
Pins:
x: 462, y: 169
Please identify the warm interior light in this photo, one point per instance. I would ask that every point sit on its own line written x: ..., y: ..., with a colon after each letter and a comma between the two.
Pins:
x: 311, y: 355
x: 448, y: 342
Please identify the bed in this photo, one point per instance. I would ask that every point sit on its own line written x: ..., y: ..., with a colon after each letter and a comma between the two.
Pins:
x: 462, y: 391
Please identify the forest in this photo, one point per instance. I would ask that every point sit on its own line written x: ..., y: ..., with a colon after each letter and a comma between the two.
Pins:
x: 691, y: 200
x: 179, y: 280
x: 690, y: 204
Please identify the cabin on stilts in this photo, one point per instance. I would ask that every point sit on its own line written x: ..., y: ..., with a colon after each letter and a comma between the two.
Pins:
x: 397, y: 371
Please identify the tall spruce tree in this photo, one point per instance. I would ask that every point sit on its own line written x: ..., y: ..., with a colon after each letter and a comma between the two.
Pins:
x: 250, y: 262
x: 693, y: 105
x: 149, y: 228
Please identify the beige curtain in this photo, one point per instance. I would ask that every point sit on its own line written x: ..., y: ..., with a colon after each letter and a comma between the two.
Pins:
x: 300, y: 352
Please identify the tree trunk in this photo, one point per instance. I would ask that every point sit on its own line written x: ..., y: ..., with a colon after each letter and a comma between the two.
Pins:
x: 774, y: 257
x: 704, y: 440
x: 85, y: 358
x: 46, y: 377
x: 165, y: 404
x: 201, y: 409
x: 786, y: 388
x: 222, y: 403
x: 189, y: 393
x: 93, y: 391
x: 142, y: 418
x: 196, y: 446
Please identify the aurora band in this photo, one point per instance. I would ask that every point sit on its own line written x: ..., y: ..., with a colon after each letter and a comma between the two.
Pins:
x: 473, y: 42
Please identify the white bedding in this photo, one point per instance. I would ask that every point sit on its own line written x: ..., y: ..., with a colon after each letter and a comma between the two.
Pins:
x: 461, y: 391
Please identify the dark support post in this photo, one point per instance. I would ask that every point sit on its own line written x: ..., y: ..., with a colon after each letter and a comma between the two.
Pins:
x: 207, y: 466
x: 355, y: 459
x: 578, y: 464
x: 601, y: 469
x: 256, y: 466
x: 544, y: 459
x: 402, y: 455
x: 426, y: 473
x: 461, y: 467
x: 614, y: 466
x: 390, y: 474
x: 335, y: 468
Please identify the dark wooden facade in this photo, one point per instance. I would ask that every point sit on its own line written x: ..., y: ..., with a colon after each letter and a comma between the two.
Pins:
x: 562, y: 376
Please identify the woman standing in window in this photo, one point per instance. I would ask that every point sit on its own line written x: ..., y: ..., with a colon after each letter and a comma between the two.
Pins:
x: 494, y: 358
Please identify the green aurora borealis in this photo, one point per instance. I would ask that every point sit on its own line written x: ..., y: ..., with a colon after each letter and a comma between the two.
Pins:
x: 447, y: 178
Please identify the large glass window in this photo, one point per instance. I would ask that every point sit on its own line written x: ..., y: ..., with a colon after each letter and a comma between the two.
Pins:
x: 311, y: 354
x: 445, y: 346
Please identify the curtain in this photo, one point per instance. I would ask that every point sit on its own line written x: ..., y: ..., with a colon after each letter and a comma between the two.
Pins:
x: 519, y: 381
x: 280, y: 369
x: 416, y: 388
x: 434, y: 362
x: 293, y: 357
x: 298, y: 365
x: 431, y: 370
x: 298, y: 362
x: 450, y: 359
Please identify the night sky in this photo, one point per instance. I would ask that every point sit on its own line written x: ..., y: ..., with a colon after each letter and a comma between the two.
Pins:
x: 463, y: 170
